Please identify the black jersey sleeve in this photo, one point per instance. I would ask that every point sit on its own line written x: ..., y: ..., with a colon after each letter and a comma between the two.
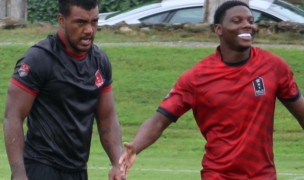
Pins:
x: 31, y: 70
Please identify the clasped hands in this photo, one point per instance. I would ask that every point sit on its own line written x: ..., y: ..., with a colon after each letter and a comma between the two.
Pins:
x: 127, y: 159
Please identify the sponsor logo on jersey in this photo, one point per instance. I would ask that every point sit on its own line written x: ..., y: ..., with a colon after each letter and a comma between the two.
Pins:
x: 24, y: 70
x: 259, y: 87
x: 98, y: 79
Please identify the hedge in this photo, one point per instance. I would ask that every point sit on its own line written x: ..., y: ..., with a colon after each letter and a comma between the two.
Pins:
x: 47, y: 10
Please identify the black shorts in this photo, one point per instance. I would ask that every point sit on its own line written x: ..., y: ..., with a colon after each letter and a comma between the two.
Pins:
x: 38, y: 171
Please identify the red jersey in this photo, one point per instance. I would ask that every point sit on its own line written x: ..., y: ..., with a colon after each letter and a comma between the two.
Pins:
x: 234, y: 109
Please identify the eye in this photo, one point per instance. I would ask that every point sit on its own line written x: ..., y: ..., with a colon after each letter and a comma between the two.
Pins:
x: 251, y: 21
x: 81, y: 22
x: 236, y: 20
x: 94, y: 22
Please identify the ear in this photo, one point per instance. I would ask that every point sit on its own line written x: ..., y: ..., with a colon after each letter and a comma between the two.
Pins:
x: 218, y: 29
x: 255, y: 28
x: 60, y: 19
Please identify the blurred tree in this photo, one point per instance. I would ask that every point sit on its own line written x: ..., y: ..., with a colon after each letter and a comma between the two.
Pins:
x: 46, y: 10
x: 295, y: 1
x: 2, y: 8
x: 42, y: 11
x: 121, y: 5
x: 16, y: 9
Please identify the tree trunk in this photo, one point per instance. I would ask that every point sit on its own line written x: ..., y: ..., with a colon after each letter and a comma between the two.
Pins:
x: 210, y: 7
x: 16, y: 9
x: 2, y: 9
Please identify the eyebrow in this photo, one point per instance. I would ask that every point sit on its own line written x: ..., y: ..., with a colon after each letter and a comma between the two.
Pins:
x: 85, y: 20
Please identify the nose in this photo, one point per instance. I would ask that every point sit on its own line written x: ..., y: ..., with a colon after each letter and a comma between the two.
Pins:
x: 249, y: 25
x: 89, y: 28
x: 246, y: 23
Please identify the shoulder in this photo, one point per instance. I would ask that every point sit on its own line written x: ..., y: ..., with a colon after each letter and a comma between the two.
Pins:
x: 197, y: 69
x: 262, y: 53
x: 266, y: 59
x: 39, y: 57
x: 100, y: 57
x: 42, y: 47
x: 208, y: 63
x: 99, y: 53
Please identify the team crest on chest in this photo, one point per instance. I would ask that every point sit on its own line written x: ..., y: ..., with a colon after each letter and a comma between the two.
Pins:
x: 98, y: 79
x: 259, y: 87
x: 24, y: 70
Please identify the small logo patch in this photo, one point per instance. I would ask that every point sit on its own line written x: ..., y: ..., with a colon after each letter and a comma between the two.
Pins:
x: 24, y: 70
x: 259, y: 87
x: 98, y: 79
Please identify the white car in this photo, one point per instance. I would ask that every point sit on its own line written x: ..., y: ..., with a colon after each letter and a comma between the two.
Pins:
x: 191, y: 11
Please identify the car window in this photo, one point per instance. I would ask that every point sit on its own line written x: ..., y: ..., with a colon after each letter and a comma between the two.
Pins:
x: 261, y: 16
x: 287, y: 10
x: 155, y: 19
x: 132, y: 11
x: 189, y: 15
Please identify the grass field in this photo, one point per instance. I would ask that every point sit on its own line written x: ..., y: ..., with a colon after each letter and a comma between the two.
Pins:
x: 142, y: 77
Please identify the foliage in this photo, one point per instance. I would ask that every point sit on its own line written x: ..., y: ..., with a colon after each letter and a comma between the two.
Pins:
x: 299, y: 3
x: 46, y: 10
x: 121, y: 5
x: 42, y: 11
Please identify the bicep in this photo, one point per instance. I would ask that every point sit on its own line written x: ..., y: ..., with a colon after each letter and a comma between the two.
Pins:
x: 18, y: 103
x: 154, y: 126
x: 296, y: 108
x: 106, y: 107
x: 159, y: 121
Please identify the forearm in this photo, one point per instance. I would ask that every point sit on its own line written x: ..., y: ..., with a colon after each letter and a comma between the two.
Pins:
x: 149, y: 132
x: 14, y: 142
x: 110, y: 138
x: 297, y: 109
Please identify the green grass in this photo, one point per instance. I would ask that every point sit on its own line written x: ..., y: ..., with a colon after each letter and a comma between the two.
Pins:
x: 142, y: 76
x: 34, y: 33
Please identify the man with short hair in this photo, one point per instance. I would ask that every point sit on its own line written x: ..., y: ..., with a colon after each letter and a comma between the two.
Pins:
x: 232, y: 94
x: 61, y: 85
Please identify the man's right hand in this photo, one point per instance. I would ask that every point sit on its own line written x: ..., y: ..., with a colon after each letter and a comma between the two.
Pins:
x: 127, y: 159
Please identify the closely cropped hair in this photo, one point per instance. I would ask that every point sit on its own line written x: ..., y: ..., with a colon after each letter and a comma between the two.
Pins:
x: 221, y: 10
x: 64, y: 5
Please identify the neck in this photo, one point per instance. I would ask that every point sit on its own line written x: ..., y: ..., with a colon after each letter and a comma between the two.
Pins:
x: 69, y: 51
x: 233, y: 56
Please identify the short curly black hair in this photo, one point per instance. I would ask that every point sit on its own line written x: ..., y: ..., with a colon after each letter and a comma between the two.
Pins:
x: 64, y: 5
x: 221, y: 10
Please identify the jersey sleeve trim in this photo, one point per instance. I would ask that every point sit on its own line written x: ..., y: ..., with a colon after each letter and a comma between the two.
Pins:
x: 106, y: 89
x: 166, y: 113
x: 23, y: 87
x: 294, y: 98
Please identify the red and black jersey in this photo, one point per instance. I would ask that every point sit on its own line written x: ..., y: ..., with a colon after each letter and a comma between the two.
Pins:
x: 67, y: 88
x: 234, y: 109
